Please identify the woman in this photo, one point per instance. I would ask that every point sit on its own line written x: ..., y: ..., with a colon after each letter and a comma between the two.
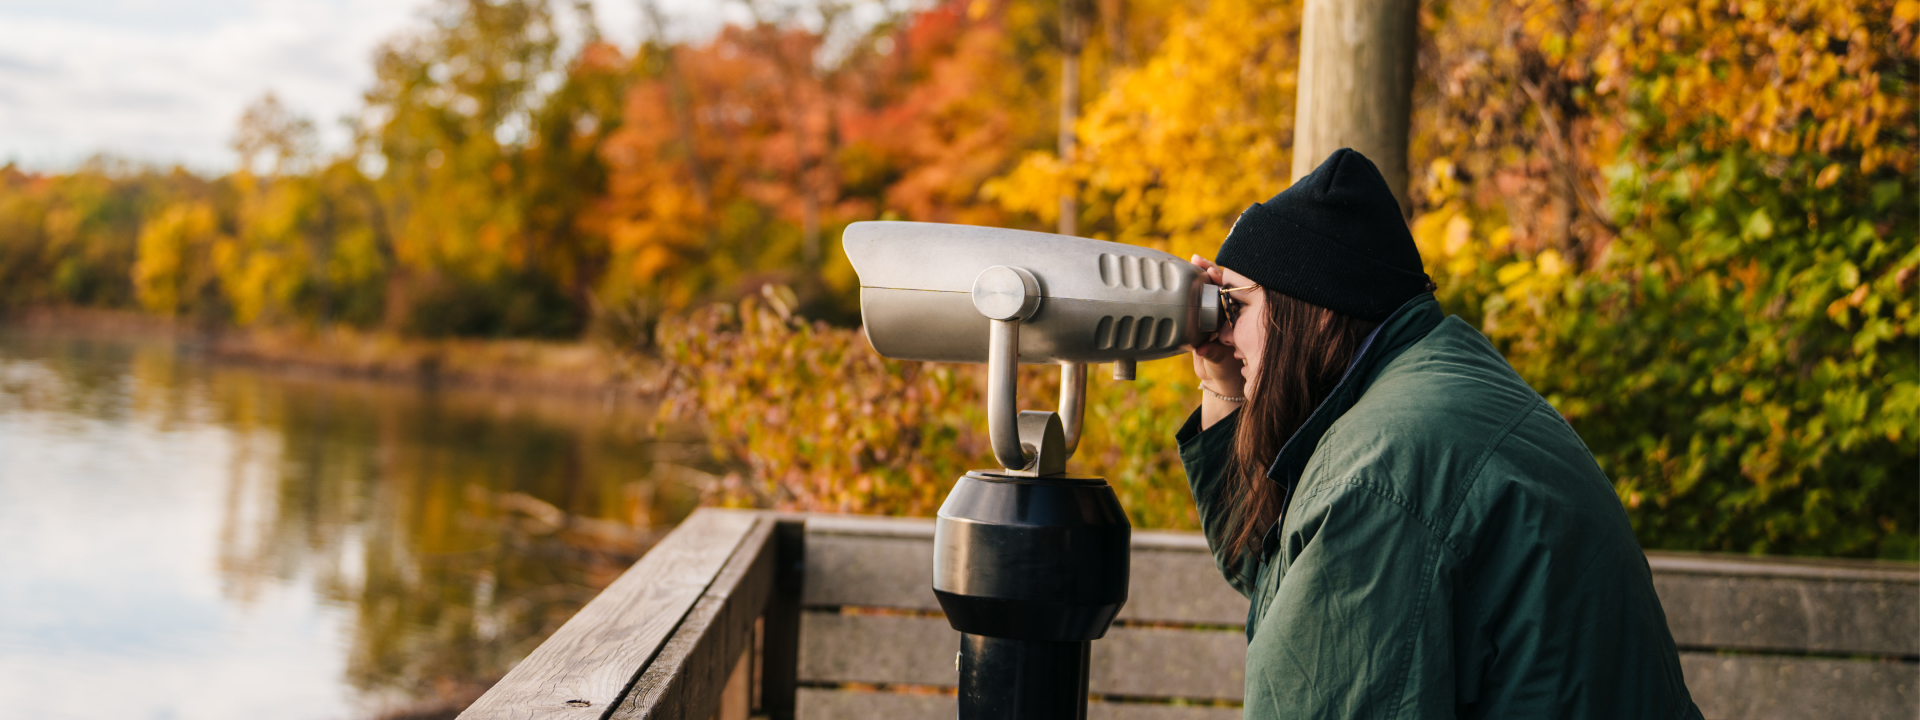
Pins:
x: 1419, y: 532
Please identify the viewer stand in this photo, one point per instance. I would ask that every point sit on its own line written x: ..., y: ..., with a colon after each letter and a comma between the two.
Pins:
x: 1030, y: 564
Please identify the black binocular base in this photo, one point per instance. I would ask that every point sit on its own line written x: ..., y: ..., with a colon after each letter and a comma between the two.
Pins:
x: 1022, y: 679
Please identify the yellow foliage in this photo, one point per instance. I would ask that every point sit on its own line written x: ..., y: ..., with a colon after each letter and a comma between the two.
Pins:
x: 263, y: 268
x: 1172, y: 153
x: 172, y: 249
x: 1784, y: 78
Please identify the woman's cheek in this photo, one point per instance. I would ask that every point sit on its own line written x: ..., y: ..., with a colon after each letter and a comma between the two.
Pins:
x: 1252, y: 371
x: 1250, y: 344
x: 1248, y: 341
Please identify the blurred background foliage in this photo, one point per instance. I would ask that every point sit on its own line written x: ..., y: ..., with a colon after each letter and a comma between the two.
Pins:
x: 1691, y: 225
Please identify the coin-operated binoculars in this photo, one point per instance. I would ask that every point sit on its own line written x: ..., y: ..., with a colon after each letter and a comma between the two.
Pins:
x: 1030, y: 562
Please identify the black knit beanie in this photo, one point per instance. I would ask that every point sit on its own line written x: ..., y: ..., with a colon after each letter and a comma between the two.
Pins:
x: 1334, y: 239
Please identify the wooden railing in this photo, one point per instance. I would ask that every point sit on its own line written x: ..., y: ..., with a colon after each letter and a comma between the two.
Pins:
x: 740, y: 614
x: 676, y: 635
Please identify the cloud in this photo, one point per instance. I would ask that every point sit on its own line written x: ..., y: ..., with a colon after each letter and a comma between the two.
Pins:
x: 163, y: 82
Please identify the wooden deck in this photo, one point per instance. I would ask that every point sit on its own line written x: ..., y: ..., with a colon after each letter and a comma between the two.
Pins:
x: 740, y: 614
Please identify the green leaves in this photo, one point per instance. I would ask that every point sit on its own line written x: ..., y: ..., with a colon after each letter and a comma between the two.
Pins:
x: 1758, y: 226
x: 1789, y: 371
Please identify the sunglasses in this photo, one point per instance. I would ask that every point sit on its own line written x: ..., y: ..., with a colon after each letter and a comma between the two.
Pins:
x: 1231, y: 306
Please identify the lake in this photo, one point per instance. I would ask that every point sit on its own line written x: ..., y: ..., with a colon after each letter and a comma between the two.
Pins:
x: 183, y: 539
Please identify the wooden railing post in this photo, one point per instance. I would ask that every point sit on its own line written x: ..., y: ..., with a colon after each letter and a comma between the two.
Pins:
x: 780, y: 660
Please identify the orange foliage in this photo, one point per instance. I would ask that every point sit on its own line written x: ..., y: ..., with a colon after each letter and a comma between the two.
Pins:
x: 731, y: 146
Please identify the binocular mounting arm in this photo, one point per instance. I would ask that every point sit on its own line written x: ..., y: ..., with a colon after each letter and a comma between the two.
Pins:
x: 1029, y: 442
x: 1073, y: 402
x: 1025, y: 442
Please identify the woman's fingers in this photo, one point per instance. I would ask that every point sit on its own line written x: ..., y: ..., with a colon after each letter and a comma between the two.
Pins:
x: 1206, y: 266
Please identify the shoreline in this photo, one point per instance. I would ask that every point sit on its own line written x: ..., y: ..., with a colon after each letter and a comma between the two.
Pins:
x: 580, y: 369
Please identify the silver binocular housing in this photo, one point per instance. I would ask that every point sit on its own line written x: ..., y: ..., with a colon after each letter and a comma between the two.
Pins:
x: 959, y: 293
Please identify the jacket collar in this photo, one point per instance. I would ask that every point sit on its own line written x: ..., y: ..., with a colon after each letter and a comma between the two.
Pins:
x: 1394, y: 335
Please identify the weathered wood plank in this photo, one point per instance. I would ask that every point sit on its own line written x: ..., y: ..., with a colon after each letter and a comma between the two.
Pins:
x: 1718, y: 601
x: 1780, y: 605
x: 1794, y: 615
x: 822, y: 704
x: 889, y: 572
x: 1157, y: 711
x: 1139, y: 662
x: 877, y: 649
x: 591, y: 659
x: 1181, y: 586
x: 870, y: 526
x: 686, y: 680
x: 1666, y: 562
x: 1173, y: 578
x: 1759, y: 687
x: 1170, y: 663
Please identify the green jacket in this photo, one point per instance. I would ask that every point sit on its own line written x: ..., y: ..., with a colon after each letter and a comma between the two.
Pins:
x: 1449, y: 548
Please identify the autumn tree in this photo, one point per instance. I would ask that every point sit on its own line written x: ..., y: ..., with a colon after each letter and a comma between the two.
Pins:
x: 451, y: 116
x: 1178, y: 146
x: 741, y: 157
x: 72, y: 238
x: 269, y: 130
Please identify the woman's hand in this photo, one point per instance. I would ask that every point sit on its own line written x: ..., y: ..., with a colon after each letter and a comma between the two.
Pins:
x: 1214, y: 363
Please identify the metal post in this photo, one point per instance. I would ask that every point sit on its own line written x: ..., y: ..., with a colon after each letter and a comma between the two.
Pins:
x: 1030, y: 570
x: 1023, y: 679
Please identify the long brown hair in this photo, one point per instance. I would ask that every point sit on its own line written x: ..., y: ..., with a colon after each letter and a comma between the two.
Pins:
x: 1308, y: 348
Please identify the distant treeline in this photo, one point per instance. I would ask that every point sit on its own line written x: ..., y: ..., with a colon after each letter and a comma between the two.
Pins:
x: 500, y: 184
x: 1692, y: 226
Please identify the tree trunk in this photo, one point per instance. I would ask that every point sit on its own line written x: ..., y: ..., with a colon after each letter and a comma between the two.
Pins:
x: 1073, y: 40
x: 1113, y: 20
x: 1356, y: 85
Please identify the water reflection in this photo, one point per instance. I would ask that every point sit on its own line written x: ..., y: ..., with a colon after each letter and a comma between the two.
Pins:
x: 183, y: 540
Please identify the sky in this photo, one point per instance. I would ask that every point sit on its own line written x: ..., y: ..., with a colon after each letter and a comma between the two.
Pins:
x: 162, y: 82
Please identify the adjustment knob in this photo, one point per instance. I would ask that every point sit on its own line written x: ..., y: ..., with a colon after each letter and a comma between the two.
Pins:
x: 1006, y: 293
